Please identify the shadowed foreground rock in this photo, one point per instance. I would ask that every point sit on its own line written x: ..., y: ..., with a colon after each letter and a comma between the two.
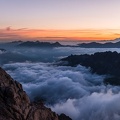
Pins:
x: 64, y: 117
x: 15, y: 104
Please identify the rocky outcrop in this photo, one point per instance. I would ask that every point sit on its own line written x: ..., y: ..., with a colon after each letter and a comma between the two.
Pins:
x: 15, y: 104
x: 100, y: 63
x: 64, y: 117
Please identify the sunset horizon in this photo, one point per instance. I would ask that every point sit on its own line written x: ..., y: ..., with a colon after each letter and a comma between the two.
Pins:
x: 59, y: 20
x: 59, y: 59
x: 12, y: 34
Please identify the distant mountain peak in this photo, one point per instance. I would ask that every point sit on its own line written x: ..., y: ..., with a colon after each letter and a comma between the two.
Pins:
x: 39, y: 44
x: 100, y: 45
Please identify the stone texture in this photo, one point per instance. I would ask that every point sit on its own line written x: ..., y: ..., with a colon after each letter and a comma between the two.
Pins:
x: 15, y: 104
x: 64, y: 117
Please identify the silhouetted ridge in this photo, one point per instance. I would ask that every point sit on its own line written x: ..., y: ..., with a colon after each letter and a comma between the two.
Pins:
x: 100, y: 45
x: 39, y: 44
x: 64, y: 117
x: 100, y: 63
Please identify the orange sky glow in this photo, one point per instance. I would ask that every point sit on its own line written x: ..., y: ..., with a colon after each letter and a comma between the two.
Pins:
x: 59, y: 20
x: 36, y: 34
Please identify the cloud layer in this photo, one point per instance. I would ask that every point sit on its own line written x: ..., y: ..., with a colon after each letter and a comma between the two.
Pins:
x: 72, y: 90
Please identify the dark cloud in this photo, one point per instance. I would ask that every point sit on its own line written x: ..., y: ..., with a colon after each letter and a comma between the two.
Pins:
x: 8, y: 28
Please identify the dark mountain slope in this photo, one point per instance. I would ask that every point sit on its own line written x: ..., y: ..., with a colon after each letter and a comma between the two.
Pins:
x: 100, y: 63
x: 15, y: 104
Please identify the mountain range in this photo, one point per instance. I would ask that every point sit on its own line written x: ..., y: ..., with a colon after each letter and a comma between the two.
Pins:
x: 100, y: 45
x: 39, y: 44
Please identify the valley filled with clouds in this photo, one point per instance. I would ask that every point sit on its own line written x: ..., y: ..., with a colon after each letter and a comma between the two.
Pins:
x: 73, y: 90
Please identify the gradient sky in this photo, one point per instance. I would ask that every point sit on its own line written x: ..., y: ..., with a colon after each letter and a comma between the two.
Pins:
x: 60, y: 19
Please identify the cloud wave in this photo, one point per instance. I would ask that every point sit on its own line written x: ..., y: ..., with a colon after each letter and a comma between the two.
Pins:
x: 72, y: 90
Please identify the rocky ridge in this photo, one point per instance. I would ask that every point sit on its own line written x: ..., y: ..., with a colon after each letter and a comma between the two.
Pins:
x: 102, y: 63
x: 16, y: 105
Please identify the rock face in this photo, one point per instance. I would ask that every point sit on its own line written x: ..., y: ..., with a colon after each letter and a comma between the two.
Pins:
x: 100, y: 63
x: 15, y: 104
x: 64, y: 117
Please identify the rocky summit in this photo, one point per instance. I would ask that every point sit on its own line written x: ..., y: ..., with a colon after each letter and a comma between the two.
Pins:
x: 16, y: 105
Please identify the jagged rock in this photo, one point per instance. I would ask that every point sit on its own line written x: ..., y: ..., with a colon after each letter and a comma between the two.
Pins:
x: 15, y: 104
x: 64, y: 117
x: 103, y: 63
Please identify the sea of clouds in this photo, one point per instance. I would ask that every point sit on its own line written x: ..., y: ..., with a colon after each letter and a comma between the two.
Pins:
x: 74, y: 91
x: 70, y: 90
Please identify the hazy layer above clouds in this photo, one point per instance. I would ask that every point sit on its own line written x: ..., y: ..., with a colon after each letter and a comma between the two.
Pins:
x: 18, y: 54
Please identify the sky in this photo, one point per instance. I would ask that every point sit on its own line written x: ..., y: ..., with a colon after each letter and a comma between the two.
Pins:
x: 59, y: 19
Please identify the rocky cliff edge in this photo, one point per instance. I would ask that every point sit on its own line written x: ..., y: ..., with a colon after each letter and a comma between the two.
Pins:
x: 16, y: 105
